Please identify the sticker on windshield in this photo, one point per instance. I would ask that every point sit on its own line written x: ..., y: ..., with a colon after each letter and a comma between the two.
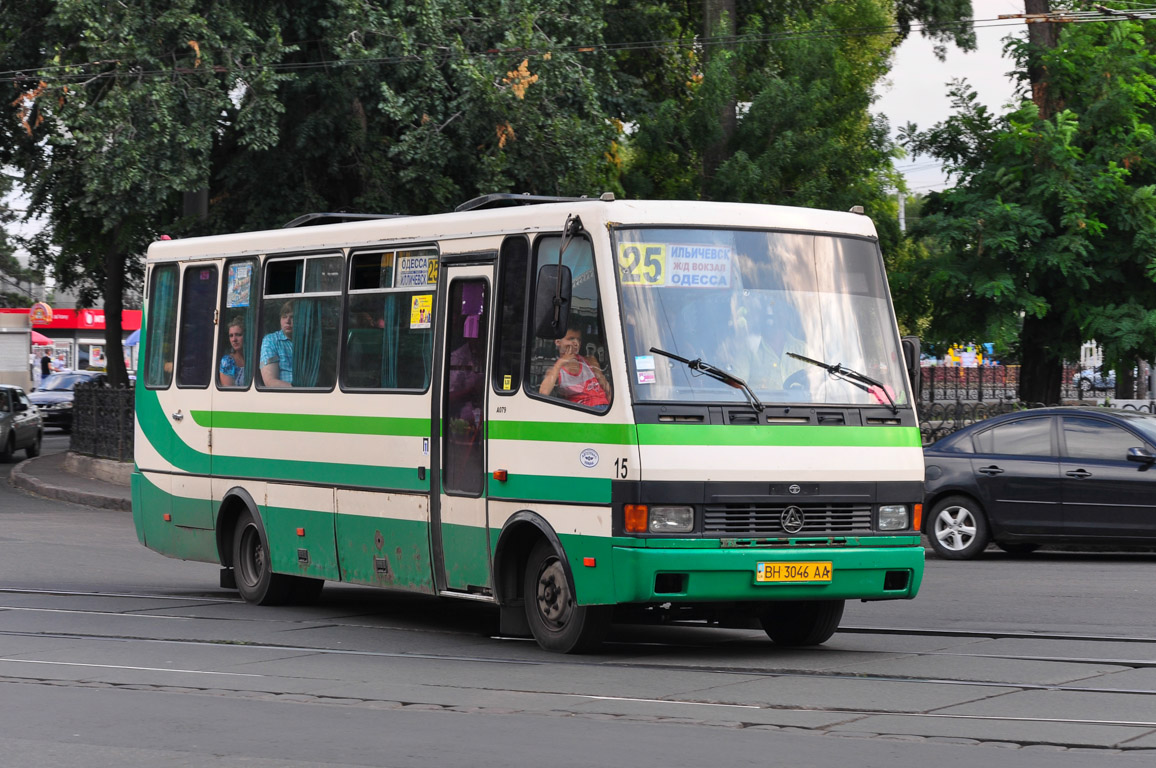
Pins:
x: 645, y: 377
x: 642, y: 263
x: 644, y: 362
x: 699, y: 266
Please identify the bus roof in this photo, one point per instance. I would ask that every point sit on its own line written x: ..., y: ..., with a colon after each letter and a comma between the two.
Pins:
x: 543, y: 217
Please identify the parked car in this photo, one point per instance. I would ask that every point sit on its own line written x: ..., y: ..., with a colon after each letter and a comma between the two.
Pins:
x: 1094, y: 379
x: 20, y: 423
x: 1051, y: 475
x: 56, y: 393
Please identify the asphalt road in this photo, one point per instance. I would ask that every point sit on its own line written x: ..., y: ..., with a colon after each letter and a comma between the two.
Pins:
x: 111, y: 655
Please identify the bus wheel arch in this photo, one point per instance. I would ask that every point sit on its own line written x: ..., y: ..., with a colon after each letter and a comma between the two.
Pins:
x: 242, y: 539
x: 534, y: 585
x: 236, y: 501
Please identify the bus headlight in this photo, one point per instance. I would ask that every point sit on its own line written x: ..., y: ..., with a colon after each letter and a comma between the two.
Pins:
x: 671, y: 519
x: 893, y: 517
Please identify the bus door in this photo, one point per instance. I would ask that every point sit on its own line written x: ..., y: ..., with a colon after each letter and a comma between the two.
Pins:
x: 190, y: 402
x: 459, y: 532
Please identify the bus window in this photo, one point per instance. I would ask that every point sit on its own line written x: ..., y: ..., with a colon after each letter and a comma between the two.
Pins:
x: 237, y: 329
x: 574, y: 369
x: 512, y: 278
x: 196, y: 345
x: 389, y: 330
x: 300, y: 310
x: 162, y: 326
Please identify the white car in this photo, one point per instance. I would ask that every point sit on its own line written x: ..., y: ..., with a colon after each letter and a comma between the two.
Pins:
x: 20, y: 423
x: 1094, y: 379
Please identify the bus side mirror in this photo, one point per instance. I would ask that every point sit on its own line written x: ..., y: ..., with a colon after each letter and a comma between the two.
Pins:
x: 552, y: 301
x: 911, y: 358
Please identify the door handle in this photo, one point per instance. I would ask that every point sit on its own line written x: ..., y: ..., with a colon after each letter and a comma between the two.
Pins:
x: 178, y: 416
x: 1080, y: 473
x: 990, y: 471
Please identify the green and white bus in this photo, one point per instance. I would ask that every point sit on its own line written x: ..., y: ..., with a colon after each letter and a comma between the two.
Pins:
x: 579, y: 410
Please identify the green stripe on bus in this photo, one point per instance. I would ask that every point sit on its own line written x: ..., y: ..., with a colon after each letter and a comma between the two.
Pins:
x: 773, y: 435
x: 573, y: 490
x: 561, y: 432
x: 309, y: 422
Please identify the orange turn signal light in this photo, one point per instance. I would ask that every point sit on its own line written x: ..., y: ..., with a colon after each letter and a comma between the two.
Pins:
x: 300, y: 531
x: 500, y: 475
x: 168, y: 517
x: 917, y: 518
x: 636, y: 518
x: 589, y: 562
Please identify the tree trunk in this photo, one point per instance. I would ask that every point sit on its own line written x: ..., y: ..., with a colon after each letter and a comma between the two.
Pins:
x: 715, y: 12
x: 1043, y: 35
x: 1041, y: 367
x: 113, y: 312
x: 1125, y: 382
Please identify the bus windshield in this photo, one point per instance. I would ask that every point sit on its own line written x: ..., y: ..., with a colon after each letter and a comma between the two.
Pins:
x: 751, y: 303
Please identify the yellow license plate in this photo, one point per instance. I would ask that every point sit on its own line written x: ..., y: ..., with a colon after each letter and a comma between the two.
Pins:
x: 792, y: 573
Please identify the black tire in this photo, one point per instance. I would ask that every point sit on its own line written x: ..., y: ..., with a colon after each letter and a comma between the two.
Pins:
x: 9, y: 448
x: 957, y: 528
x: 252, y: 568
x: 557, y: 623
x: 803, y: 623
x: 33, y: 449
x: 1017, y: 548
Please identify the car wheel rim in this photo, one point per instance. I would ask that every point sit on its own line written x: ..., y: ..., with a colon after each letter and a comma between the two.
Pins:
x: 553, y: 595
x: 955, y: 528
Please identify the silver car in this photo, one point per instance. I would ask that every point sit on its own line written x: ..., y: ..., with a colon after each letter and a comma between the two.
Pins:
x: 20, y: 423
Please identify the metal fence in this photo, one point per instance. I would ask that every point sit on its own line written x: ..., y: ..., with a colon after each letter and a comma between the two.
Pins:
x: 102, y: 421
x: 952, y: 398
x: 988, y: 383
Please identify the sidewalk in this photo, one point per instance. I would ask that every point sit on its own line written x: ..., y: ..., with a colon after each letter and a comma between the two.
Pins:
x: 78, y: 479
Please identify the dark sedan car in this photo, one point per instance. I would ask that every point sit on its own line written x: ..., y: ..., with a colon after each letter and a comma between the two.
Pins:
x: 1052, y: 475
x: 54, y: 397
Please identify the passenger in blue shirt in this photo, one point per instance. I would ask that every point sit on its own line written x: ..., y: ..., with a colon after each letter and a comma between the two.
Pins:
x: 277, y: 352
x: 232, y: 368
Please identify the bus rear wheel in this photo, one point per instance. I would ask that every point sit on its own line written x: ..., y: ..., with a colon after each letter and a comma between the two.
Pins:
x: 252, y: 567
x: 802, y: 623
x: 557, y: 623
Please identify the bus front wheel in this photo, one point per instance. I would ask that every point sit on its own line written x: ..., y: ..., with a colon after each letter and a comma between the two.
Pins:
x: 556, y: 621
x: 806, y: 622
x: 252, y: 567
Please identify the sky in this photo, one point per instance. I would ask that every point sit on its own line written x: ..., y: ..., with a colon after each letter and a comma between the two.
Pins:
x: 916, y: 90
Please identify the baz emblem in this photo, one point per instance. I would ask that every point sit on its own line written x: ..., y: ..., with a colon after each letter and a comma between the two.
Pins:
x: 792, y: 519
x: 793, y: 488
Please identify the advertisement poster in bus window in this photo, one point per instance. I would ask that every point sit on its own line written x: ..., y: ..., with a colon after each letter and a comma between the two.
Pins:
x: 421, y: 311
x: 240, y: 281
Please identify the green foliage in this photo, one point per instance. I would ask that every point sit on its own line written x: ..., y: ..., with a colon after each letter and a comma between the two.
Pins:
x: 1050, y: 229
x: 414, y: 108
x: 802, y: 77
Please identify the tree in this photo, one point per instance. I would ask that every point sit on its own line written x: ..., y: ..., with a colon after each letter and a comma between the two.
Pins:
x: 12, y: 272
x: 1048, y: 232
x: 803, y: 76
x: 403, y: 108
x: 117, y: 108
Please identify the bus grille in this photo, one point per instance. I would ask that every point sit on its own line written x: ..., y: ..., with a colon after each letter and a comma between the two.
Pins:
x: 766, y: 519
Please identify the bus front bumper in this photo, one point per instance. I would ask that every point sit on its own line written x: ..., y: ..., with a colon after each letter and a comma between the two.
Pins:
x: 649, y: 575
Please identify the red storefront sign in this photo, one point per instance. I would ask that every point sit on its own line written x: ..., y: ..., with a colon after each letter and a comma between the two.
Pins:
x: 82, y: 319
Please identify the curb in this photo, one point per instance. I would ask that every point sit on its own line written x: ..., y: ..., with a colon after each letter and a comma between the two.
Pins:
x: 20, y: 479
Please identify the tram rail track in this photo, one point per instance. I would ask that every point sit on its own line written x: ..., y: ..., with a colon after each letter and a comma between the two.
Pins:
x: 711, y: 706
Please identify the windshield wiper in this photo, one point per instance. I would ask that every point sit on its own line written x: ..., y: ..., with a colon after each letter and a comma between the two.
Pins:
x: 700, y: 365
x: 852, y: 377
